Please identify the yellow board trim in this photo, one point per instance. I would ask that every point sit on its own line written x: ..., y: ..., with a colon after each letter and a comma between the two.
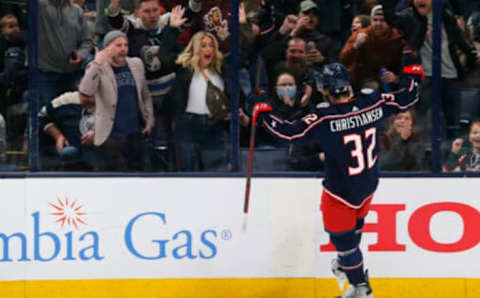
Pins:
x: 236, y: 288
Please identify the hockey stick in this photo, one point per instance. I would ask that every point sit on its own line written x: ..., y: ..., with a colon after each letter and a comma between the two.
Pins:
x: 251, y: 152
x: 257, y: 109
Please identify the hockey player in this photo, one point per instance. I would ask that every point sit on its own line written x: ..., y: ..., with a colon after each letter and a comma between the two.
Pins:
x: 346, y: 128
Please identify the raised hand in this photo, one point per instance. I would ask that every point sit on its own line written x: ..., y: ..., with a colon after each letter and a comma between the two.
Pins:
x: 360, y: 40
x: 176, y: 18
x: 289, y: 23
x: 457, y: 145
x: 102, y: 56
x: 242, y: 14
x: 301, y: 23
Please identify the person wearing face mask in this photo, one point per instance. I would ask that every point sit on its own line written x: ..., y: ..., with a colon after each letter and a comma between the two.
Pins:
x: 285, y: 98
x: 346, y: 127
x: 295, y: 63
x: 306, y: 156
x: 286, y: 102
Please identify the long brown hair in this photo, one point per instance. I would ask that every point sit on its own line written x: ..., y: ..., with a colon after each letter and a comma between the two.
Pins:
x: 391, y: 126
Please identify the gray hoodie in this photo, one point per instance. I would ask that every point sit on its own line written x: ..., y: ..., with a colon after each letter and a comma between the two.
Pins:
x: 62, y: 29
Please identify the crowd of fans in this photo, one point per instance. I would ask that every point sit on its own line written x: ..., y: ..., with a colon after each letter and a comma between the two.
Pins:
x: 125, y: 85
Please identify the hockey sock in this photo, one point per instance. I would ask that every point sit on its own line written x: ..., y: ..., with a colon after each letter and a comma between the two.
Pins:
x: 358, y: 232
x: 349, y: 254
x: 352, y: 264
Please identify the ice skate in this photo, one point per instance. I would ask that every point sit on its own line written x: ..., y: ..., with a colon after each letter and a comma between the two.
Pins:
x: 362, y: 290
x: 340, y: 275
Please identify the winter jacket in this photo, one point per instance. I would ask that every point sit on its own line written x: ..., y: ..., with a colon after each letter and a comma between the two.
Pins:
x: 365, y: 62
x: 414, y: 27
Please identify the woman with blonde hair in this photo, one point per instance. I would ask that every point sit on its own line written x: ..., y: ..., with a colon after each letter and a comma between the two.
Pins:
x: 200, y: 137
x: 190, y: 57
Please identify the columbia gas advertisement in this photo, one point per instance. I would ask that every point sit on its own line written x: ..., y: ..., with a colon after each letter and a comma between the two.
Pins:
x: 154, y: 228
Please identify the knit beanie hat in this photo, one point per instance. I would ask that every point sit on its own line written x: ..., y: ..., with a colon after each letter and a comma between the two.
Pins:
x: 111, y: 36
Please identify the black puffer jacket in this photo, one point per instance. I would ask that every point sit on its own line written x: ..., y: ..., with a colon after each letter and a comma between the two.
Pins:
x: 414, y: 27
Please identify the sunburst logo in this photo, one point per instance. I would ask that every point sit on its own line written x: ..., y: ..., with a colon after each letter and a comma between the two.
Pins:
x: 68, y: 213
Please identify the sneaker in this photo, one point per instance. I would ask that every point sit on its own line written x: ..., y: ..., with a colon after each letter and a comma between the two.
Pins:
x: 339, y: 274
x: 362, y: 290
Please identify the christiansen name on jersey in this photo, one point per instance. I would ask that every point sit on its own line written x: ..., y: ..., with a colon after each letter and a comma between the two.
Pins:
x: 356, y: 120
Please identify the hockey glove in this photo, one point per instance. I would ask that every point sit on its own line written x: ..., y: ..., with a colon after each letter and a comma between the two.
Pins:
x: 412, y: 64
x: 260, y: 109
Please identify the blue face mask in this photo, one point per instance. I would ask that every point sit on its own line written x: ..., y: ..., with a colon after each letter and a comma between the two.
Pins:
x: 282, y: 91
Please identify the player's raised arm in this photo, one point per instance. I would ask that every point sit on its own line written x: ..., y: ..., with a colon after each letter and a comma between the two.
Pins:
x: 283, y: 129
x: 290, y: 130
x: 407, y: 94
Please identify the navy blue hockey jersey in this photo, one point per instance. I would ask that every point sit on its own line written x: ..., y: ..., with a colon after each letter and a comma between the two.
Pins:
x: 348, y: 133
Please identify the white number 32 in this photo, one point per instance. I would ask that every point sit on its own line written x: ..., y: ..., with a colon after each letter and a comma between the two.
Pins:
x: 357, y: 151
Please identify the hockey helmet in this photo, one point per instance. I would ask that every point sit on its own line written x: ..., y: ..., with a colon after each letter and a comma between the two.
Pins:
x: 335, y: 78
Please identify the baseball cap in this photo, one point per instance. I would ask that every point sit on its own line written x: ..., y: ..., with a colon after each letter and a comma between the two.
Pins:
x: 307, y: 5
x: 377, y: 10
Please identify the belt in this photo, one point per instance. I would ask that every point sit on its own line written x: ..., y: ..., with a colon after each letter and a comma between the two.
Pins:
x: 205, y: 118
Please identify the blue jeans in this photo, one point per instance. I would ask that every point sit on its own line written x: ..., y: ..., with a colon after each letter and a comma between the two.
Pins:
x: 201, y: 143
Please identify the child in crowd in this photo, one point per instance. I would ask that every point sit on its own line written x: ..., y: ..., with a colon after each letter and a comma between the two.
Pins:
x: 13, y: 80
x: 462, y: 158
x: 12, y: 52
x: 403, y: 148
x: 360, y: 21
